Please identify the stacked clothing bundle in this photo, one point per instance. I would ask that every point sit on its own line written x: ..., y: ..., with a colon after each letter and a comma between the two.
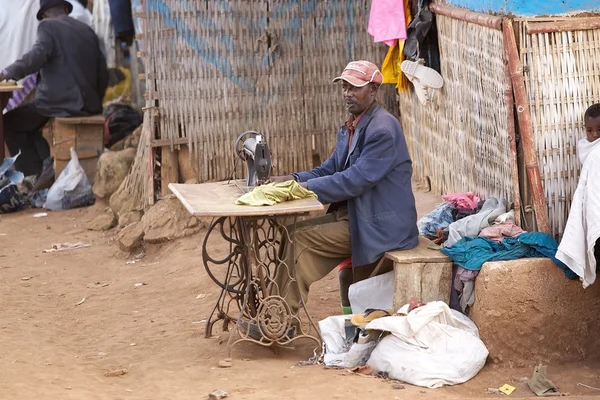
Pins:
x: 474, y: 232
x: 436, y: 225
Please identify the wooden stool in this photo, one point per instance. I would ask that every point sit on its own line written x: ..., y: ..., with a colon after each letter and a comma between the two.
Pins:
x: 84, y: 134
x: 422, y: 273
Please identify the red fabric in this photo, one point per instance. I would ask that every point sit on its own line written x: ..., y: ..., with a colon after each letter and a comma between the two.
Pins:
x: 351, y: 124
x: 346, y: 264
x: 107, y: 130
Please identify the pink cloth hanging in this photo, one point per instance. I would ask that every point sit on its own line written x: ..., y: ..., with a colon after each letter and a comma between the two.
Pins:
x: 466, y: 201
x: 387, y: 22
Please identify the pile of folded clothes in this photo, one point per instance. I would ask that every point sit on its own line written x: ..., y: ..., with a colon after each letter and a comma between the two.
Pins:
x: 473, y: 232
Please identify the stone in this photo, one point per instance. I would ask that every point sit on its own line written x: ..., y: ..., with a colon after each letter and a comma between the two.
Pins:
x: 217, y: 394
x: 102, y: 222
x: 528, y: 313
x: 130, y: 238
x: 113, y: 167
x: 168, y: 220
x: 129, y: 218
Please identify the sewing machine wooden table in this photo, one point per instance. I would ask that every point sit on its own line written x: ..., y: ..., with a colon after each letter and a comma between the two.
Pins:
x: 6, y: 91
x: 245, y: 271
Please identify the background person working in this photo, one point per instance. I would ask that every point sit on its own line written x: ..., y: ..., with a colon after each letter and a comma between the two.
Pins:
x: 367, y: 181
x: 72, y: 81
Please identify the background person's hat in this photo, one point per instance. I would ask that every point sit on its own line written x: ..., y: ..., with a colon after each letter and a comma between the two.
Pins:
x: 360, y: 73
x: 45, y: 5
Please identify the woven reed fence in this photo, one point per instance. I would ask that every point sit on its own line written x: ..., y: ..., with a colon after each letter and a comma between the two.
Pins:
x: 562, y: 77
x: 460, y: 141
x: 218, y: 68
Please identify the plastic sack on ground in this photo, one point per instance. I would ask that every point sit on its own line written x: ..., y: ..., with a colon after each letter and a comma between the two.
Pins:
x: 11, y: 199
x: 340, y: 349
x: 431, y: 347
x: 72, y: 188
x: 376, y: 292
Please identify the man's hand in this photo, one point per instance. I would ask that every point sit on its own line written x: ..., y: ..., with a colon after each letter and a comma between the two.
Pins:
x: 278, y: 179
x: 3, y: 76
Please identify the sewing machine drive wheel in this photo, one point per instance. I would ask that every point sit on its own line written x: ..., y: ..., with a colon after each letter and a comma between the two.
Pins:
x: 239, y: 143
x: 274, y: 318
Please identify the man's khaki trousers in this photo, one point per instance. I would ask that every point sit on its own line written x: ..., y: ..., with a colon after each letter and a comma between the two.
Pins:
x: 321, y: 245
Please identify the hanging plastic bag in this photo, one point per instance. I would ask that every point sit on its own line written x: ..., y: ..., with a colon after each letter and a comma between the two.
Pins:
x: 72, y: 188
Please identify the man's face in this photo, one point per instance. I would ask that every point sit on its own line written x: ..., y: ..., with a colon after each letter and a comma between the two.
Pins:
x: 358, y: 99
x: 592, y: 128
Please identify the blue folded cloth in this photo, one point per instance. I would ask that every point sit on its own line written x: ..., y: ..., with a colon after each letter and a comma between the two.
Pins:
x: 440, y: 218
x: 472, y: 253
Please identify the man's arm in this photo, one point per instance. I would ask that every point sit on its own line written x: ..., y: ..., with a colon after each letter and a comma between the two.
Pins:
x: 378, y: 158
x: 35, y: 59
x: 325, y: 169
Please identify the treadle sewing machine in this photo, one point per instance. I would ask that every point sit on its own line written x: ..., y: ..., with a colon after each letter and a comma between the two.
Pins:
x: 252, y: 148
x: 249, y: 296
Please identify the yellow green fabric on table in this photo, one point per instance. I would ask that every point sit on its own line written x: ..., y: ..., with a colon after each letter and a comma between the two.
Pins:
x: 273, y: 193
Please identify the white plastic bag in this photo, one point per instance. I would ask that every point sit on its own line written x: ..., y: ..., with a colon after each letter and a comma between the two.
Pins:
x: 71, y: 189
x: 432, y: 346
x: 340, y: 352
x: 376, y: 292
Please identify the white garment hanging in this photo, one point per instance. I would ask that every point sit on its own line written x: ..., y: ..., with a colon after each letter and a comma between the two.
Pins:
x: 576, y: 249
x: 80, y: 13
x: 18, y: 29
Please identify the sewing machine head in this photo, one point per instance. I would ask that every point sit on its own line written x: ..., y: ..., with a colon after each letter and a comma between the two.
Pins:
x: 252, y: 147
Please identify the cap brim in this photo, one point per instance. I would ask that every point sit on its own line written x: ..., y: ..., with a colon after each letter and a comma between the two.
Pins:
x: 351, y: 80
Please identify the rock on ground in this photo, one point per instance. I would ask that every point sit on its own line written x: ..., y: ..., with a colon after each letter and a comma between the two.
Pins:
x: 102, y: 222
x: 113, y: 167
x: 130, y: 238
x: 168, y: 220
x: 528, y: 312
x: 129, y: 218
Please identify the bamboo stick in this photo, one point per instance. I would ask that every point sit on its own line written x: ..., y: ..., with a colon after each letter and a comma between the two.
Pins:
x: 525, y: 127
x: 512, y: 138
x: 570, y: 25
x: 462, y: 14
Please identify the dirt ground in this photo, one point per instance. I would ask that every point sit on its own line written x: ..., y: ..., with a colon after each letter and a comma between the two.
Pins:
x: 53, y: 346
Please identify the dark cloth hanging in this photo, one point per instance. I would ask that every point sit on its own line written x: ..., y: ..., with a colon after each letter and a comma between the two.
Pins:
x: 422, y: 37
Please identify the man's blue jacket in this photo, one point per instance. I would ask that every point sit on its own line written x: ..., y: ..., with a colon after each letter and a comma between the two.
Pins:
x: 373, y: 175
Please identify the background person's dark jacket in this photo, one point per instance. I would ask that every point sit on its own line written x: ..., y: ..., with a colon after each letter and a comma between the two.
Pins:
x: 121, y: 16
x: 73, y: 73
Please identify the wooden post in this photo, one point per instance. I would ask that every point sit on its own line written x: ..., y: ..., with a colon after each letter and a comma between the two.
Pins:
x: 512, y: 138
x: 570, y: 25
x: 169, y: 170
x: 462, y: 14
x: 525, y: 127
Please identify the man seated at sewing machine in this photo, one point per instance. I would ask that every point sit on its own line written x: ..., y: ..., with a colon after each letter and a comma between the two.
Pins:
x: 367, y: 182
